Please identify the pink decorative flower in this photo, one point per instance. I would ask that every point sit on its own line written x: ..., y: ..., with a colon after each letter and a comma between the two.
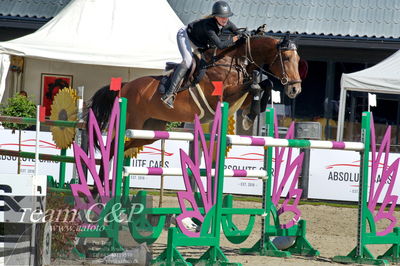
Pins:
x: 208, y: 197
x: 292, y: 167
x: 107, y: 150
x: 388, y: 175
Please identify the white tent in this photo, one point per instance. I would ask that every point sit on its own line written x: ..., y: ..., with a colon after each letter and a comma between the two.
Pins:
x: 383, y: 77
x: 122, y: 33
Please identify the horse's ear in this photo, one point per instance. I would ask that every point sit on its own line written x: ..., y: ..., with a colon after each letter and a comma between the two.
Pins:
x: 285, y: 41
x: 287, y: 37
x: 261, y: 30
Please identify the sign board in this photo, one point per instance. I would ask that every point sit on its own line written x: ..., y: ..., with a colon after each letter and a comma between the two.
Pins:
x: 20, y: 196
x: 335, y: 175
x: 9, y: 164
x: 151, y: 157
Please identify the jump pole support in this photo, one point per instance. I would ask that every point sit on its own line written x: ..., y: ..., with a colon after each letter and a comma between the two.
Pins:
x: 112, y: 229
x: 115, y: 245
x: 360, y: 254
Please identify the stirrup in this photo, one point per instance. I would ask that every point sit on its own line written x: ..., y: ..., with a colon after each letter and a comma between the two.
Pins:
x: 247, y: 123
x: 168, y: 100
x: 245, y: 112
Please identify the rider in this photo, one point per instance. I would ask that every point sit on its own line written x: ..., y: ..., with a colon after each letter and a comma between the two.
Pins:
x: 201, y: 34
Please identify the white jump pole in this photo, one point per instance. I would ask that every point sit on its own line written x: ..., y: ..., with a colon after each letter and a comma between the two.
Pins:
x: 37, y: 140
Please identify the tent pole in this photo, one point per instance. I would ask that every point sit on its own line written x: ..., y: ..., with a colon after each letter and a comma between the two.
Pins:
x: 342, y: 109
x: 397, y: 125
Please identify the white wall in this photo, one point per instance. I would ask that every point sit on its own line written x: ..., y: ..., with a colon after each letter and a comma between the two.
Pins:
x: 92, y: 77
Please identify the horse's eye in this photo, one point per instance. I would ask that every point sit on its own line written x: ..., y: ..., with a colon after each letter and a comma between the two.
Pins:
x: 285, y: 58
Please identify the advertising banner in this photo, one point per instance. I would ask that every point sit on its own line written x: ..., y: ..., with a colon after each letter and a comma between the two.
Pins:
x: 238, y: 158
x: 151, y: 157
x: 9, y: 164
x: 244, y: 158
x: 252, y: 158
x: 335, y: 175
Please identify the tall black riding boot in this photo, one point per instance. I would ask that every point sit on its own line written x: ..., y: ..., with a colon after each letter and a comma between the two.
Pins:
x: 169, y: 97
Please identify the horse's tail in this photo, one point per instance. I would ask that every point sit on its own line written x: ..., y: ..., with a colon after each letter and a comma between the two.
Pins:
x: 101, y: 104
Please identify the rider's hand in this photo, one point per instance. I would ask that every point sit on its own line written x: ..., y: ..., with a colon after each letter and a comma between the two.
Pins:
x: 235, y: 38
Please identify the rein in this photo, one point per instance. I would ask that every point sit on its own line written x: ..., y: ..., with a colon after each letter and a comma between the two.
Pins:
x: 216, y: 58
x: 248, y: 56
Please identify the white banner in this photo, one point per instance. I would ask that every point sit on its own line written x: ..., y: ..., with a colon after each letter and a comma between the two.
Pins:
x: 239, y: 158
x: 335, y: 175
x: 244, y: 158
x: 9, y: 164
x: 151, y: 157
x: 251, y: 158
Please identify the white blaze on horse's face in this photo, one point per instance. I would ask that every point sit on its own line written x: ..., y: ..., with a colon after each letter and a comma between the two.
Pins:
x: 292, y: 84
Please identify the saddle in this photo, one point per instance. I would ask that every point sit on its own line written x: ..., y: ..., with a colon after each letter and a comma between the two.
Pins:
x: 192, y: 77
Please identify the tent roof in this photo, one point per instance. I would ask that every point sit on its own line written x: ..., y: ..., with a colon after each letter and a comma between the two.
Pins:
x: 383, y: 77
x: 122, y: 33
x: 365, y: 19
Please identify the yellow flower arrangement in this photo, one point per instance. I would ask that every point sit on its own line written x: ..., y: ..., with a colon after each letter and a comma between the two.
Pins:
x: 65, y: 108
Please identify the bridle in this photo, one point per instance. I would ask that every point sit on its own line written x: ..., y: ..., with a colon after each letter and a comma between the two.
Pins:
x: 284, y: 45
x: 281, y: 47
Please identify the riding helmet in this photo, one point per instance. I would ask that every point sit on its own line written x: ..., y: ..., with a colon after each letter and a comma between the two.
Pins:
x: 221, y: 9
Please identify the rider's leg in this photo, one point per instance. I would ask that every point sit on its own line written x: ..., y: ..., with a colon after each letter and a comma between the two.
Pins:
x: 185, y: 49
x: 169, y: 97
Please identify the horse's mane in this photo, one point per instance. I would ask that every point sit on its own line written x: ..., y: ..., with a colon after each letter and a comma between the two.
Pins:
x: 258, y: 36
x: 239, y: 43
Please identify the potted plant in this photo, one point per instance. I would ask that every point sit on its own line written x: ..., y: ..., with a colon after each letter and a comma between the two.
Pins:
x: 18, y: 106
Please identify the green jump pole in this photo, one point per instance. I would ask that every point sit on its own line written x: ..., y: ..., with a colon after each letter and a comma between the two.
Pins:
x: 32, y: 121
x: 361, y: 250
x: 121, y: 145
x: 267, y: 197
x: 264, y: 246
x: 116, y: 202
x: 62, y: 169
x: 270, y: 224
x: 216, y: 250
x: 360, y: 254
x: 117, y: 199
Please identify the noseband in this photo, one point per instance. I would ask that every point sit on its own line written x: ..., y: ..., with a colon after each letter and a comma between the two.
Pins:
x: 281, y: 47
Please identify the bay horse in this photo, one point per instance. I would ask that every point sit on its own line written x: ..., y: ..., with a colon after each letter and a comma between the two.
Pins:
x: 146, y: 111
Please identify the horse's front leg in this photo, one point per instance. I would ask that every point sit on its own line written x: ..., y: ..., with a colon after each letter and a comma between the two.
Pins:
x: 260, y: 94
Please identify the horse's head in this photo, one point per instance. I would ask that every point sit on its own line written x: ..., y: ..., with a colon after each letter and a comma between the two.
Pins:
x: 281, y: 58
x: 285, y: 66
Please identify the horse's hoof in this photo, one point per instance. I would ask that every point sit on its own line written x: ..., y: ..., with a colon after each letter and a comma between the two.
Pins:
x: 247, y: 123
x: 190, y: 225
